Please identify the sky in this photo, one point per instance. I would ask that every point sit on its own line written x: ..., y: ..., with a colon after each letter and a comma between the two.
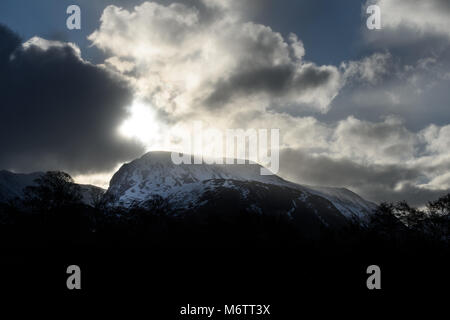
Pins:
x: 357, y: 108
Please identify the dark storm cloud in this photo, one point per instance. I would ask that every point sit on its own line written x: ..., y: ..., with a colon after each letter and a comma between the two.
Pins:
x: 274, y: 81
x: 271, y: 79
x: 57, y: 111
x: 444, y: 5
x: 409, y: 192
x: 377, y: 183
x: 324, y: 170
x: 9, y: 42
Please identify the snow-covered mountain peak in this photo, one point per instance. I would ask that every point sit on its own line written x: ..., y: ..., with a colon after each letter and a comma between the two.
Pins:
x: 156, y: 174
x: 185, y: 185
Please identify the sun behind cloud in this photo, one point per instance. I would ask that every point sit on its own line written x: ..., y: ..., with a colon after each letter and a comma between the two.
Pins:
x: 142, y: 125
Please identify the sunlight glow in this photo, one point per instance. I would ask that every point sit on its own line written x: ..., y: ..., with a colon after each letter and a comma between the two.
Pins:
x: 141, y: 125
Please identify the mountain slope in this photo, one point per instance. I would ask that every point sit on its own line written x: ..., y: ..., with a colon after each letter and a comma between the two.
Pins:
x: 12, y: 186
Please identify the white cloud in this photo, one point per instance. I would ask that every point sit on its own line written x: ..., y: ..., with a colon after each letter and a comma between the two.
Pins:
x: 430, y: 16
x: 370, y: 69
x: 437, y: 139
x: 45, y: 44
x: 184, y: 61
x: 386, y: 142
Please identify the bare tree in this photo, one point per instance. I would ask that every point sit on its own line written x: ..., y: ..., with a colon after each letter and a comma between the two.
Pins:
x: 53, y: 190
x: 97, y: 197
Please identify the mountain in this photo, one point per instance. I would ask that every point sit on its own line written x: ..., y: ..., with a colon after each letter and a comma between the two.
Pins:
x: 230, y: 189
x: 12, y: 186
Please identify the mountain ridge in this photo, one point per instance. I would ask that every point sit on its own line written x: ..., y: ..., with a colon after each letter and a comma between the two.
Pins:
x: 189, y: 189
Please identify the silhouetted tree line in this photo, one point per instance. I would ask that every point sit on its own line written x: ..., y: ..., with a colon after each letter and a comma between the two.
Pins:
x: 52, y: 214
